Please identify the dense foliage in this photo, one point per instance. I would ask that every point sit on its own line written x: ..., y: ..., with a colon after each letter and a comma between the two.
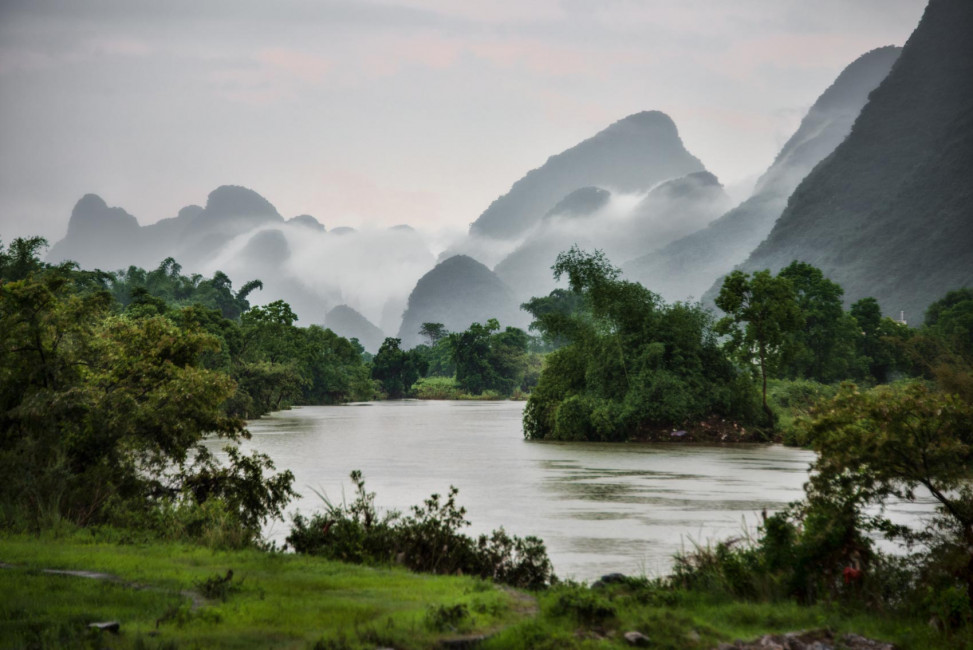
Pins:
x: 396, y: 369
x: 111, y: 382
x: 104, y: 411
x: 272, y: 361
x: 481, y: 362
x: 427, y: 540
x: 632, y: 363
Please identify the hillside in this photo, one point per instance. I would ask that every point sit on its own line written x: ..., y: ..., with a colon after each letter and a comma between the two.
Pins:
x: 592, y: 220
x: 345, y: 321
x: 890, y: 213
x: 457, y: 292
x: 687, y: 266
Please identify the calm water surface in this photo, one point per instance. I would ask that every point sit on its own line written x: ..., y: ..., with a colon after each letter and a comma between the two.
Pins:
x: 599, y: 508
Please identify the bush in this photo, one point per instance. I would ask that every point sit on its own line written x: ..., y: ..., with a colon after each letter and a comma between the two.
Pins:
x: 427, y: 540
x: 437, y: 388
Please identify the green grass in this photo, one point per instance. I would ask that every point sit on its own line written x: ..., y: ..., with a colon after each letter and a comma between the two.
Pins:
x: 576, y: 617
x: 275, y: 600
x: 291, y: 601
x: 446, y: 388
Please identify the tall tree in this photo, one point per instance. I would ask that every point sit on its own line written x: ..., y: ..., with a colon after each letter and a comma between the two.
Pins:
x: 823, y: 348
x: 396, y: 368
x: 761, y: 310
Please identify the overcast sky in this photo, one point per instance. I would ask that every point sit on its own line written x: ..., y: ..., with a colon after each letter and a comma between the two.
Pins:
x: 406, y: 111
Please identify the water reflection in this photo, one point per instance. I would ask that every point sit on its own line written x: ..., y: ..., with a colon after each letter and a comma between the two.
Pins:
x: 599, y: 507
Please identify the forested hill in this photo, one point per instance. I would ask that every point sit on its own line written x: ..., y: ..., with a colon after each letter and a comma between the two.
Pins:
x: 890, y: 213
x: 631, y: 155
x: 688, y: 266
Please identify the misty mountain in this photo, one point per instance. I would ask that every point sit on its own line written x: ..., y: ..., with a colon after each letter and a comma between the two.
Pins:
x: 631, y: 155
x: 458, y: 292
x: 99, y: 236
x: 241, y: 233
x: 687, y: 266
x: 621, y: 226
x: 111, y: 238
x: 307, y: 221
x: 345, y: 321
x: 890, y: 213
x: 230, y: 211
x: 580, y: 203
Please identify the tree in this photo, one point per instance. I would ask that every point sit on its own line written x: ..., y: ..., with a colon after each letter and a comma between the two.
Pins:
x: 396, y: 368
x: 880, y: 342
x: 892, y: 441
x: 104, y: 414
x: 21, y: 258
x: 434, y: 332
x: 629, y: 364
x: 761, y: 311
x: 823, y: 348
x: 488, y: 359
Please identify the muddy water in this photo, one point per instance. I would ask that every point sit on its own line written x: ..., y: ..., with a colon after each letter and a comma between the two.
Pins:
x: 600, y: 508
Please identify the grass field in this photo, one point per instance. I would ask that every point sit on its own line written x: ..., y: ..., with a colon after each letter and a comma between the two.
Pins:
x: 167, y: 595
x: 180, y: 596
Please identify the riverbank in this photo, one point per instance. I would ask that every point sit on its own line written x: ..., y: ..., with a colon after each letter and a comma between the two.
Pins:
x: 176, y: 595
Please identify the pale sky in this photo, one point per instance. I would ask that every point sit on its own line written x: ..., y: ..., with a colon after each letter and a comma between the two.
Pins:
x: 380, y: 113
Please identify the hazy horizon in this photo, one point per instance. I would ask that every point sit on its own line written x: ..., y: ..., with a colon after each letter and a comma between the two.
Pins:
x: 369, y: 114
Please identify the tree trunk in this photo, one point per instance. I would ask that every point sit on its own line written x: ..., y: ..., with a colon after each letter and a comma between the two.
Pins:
x: 763, y: 375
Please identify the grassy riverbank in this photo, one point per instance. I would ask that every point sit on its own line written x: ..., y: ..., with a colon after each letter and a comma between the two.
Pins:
x: 179, y: 596
x: 174, y: 595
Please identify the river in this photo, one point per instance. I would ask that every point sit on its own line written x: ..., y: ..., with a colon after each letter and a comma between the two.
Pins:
x: 599, y: 507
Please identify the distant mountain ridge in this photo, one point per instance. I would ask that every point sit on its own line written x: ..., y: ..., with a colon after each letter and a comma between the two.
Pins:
x: 241, y: 233
x: 111, y: 238
x: 631, y: 155
x: 889, y: 214
x: 688, y: 266
x: 590, y: 220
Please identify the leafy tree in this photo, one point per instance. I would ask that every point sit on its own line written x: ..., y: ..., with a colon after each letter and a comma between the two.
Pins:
x: 396, y: 368
x: 167, y: 283
x: 823, y: 348
x: 488, y: 359
x: 21, y: 258
x: 762, y: 311
x: 631, y: 364
x: 101, y: 412
x: 434, y: 332
x: 554, y: 315
x: 897, y: 441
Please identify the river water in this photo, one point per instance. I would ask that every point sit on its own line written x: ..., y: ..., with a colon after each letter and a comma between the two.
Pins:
x: 599, y: 508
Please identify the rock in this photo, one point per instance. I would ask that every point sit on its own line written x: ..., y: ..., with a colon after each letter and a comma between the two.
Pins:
x: 637, y: 639
x: 106, y: 626
x: 609, y: 579
x: 770, y: 642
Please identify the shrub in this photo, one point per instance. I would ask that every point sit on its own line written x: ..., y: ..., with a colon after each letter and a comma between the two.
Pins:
x: 427, y: 540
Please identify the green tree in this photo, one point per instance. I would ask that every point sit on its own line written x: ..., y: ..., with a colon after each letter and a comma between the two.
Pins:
x: 21, y: 258
x: 761, y: 310
x: 898, y: 441
x: 434, y: 332
x: 824, y: 347
x: 630, y: 364
x: 880, y: 344
x: 396, y: 368
x: 103, y: 414
x: 488, y: 359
